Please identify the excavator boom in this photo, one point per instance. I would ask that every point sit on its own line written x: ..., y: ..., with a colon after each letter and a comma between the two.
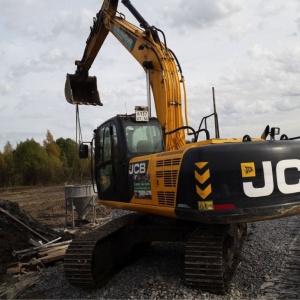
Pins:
x: 160, y: 64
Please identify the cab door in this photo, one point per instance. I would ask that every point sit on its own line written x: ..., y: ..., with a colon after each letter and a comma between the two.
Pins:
x: 109, y: 163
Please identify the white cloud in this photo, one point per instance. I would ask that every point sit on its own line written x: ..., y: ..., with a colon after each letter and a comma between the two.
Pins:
x: 242, y: 30
x: 66, y: 22
x: 202, y: 13
x: 257, y: 52
x: 248, y: 51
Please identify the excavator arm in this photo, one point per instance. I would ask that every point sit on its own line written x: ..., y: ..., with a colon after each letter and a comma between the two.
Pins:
x: 80, y: 88
x: 159, y: 62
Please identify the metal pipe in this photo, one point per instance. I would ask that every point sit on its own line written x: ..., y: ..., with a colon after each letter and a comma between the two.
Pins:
x: 217, y: 133
x: 16, y: 252
x: 26, y: 254
x: 30, y: 229
x: 148, y: 91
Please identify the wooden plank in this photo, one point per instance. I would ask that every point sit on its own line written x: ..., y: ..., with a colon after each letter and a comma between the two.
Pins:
x: 58, y: 255
x: 13, y: 264
x: 14, y: 270
x: 46, y: 251
x: 53, y: 253
x: 34, y: 261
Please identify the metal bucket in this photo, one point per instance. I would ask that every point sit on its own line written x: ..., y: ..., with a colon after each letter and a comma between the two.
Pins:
x: 82, y: 90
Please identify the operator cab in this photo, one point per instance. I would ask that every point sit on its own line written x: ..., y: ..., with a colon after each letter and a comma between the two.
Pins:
x: 117, y: 141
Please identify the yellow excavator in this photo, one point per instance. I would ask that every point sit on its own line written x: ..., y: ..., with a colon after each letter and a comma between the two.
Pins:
x: 202, y: 193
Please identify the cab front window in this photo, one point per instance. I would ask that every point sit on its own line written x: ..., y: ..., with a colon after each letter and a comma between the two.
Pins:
x: 144, y: 138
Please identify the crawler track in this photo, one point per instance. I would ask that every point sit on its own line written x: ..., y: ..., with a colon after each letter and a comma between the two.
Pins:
x: 211, y: 256
x: 95, y: 249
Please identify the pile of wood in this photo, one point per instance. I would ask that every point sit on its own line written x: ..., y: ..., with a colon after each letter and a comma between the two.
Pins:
x: 41, y: 255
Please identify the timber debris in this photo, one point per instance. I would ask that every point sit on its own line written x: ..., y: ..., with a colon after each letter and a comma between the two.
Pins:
x: 41, y: 256
x: 25, y: 244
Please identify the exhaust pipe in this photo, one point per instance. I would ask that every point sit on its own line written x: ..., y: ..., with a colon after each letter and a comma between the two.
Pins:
x: 82, y: 90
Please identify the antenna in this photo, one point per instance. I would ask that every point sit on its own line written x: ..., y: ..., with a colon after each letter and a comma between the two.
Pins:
x: 215, y: 115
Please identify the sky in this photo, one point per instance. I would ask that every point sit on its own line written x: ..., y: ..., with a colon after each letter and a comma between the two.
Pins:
x: 249, y: 51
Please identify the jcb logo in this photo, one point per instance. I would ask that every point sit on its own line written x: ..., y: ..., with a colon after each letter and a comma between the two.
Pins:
x: 138, y: 168
x: 248, y: 170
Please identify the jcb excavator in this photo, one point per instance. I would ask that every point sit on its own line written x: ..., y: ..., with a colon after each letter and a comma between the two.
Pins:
x: 202, y: 193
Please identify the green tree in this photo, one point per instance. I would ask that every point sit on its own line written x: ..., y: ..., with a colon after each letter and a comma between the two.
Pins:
x: 76, y: 169
x: 8, y: 149
x: 32, y: 163
x: 2, y: 170
x: 55, y: 164
x: 9, y: 165
x: 68, y: 151
x: 50, y: 145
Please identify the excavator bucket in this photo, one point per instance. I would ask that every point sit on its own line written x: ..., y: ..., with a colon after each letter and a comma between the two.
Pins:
x: 82, y: 90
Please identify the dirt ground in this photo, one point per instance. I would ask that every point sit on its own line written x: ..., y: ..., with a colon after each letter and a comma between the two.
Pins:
x: 45, y: 204
x: 41, y: 208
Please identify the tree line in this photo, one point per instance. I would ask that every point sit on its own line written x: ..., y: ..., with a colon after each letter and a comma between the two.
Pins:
x: 54, y: 162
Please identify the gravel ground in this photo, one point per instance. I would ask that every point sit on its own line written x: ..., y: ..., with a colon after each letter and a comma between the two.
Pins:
x: 159, y: 273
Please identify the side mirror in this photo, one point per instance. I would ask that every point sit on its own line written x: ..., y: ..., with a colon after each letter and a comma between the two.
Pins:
x: 83, y: 151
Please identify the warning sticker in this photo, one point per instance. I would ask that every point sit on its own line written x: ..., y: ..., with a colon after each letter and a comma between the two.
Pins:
x: 205, y: 205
